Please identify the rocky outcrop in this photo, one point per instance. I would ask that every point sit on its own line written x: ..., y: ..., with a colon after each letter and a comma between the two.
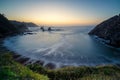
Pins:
x: 50, y: 66
x: 7, y: 28
x: 27, y: 24
x: 109, y: 30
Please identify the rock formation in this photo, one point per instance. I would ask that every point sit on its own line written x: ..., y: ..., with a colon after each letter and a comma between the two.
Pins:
x: 27, y: 24
x: 7, y: 28
x: 109, y: 30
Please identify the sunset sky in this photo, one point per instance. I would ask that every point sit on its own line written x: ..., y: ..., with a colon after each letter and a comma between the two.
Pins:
x: 60, y: 12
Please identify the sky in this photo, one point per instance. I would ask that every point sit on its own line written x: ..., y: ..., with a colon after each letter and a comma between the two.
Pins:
x: 60, y: 12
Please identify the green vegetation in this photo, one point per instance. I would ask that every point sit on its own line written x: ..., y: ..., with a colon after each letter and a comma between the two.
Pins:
x: 80, y: 73
x: 11, y: 70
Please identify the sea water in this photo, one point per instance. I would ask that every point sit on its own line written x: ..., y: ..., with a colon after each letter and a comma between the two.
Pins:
x: 69, y: 46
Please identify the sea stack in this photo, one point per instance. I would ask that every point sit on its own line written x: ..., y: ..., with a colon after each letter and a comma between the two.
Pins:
x: 109, y: 30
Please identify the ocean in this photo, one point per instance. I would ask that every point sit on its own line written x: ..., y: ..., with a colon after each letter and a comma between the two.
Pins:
x: 70, y: 46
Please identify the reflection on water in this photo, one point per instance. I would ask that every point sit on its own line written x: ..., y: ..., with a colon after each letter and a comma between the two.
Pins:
x: 72, y: 46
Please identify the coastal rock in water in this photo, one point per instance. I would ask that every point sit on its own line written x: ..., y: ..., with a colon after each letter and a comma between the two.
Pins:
x: 22, y: 60
x: 109, y: 30
x: 40, y: 62
x: 50, y: 66
x: 15, y: 56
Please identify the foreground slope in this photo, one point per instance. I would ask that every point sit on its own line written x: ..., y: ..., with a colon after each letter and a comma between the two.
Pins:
x: 11, y: 70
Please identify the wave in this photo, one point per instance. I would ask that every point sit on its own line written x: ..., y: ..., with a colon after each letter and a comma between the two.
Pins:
x: 68, y: 47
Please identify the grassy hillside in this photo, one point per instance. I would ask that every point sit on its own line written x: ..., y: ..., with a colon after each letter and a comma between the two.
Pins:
x: 11, y: 70
x: 80, y: 73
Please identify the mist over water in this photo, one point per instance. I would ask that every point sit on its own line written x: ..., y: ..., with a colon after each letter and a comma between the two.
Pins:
x: 70, y: 46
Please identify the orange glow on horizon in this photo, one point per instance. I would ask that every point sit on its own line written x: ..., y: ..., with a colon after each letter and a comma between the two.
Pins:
x: 60, y: 12
x: 56, y: 20
x: 53, y: 16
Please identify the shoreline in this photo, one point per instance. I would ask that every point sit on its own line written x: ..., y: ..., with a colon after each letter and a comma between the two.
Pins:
x: 27, y: 61
x: 104, y: 42
x: 107, y: 72
x: 23, y: 59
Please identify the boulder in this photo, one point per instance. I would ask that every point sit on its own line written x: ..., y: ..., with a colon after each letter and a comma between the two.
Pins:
x: 50, y: 66
x: 40, y: 62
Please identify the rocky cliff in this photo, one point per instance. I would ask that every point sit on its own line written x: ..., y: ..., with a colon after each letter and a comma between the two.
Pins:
x: 27, y: 24
x: 109, y: 30
x: 7, y: 28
